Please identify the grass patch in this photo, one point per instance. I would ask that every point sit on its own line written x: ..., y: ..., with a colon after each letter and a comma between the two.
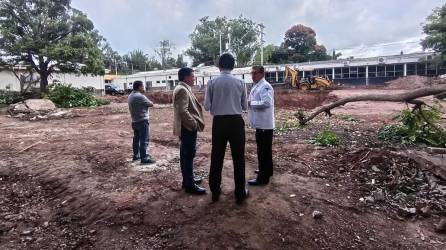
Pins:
x: 326, y: 138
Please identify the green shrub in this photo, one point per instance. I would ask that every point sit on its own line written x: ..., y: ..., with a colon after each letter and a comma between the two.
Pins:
x: 9, y: 97
x: 326, y: 138
x: 66, y: 96
x: 419, y: 126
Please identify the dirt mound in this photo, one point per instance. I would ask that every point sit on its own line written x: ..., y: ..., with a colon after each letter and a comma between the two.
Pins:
x: 412, y: 82
x: 388, y: 178
x: 301, y: 99
x: 283, y: 98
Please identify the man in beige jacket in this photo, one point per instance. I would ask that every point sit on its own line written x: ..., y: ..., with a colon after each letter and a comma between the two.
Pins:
x: 188, y: 119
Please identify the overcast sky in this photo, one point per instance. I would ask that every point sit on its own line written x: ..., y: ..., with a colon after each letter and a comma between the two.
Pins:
x: 356, y: 27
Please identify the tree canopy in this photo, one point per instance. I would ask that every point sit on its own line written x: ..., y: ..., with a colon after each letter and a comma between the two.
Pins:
x: 205, y: 39
x: 435, y: 29
x: 48, y: 36
x: 300, y: 45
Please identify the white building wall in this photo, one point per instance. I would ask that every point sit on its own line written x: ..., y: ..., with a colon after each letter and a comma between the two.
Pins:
x: 7, y: 78
x: 9, y: 81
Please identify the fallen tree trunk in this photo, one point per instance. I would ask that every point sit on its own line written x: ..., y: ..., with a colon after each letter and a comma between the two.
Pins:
x: 408, y: 97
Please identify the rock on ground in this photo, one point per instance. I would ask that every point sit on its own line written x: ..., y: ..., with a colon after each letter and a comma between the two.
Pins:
x: 40, y: 105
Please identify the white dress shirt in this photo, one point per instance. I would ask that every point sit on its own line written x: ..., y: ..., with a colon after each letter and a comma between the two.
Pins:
x: 261, y: 108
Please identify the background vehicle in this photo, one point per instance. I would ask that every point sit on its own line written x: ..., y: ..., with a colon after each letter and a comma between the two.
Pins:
x: 113, y: 90
x: 314, y: 82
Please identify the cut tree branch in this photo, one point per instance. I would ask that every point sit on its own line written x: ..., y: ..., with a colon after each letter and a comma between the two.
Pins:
x: 407, y: 97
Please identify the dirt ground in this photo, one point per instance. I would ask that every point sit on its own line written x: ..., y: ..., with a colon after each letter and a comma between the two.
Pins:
x: 70, y: 184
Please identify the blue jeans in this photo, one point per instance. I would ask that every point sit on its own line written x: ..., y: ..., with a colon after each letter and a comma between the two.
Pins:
x: 187, y: 154
x: 140, y: 139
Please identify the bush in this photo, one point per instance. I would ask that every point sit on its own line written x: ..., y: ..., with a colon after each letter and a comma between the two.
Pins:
x: 419, y: 126
x: 326, y: 138
x: 10, y: 97
x: 66, y: 96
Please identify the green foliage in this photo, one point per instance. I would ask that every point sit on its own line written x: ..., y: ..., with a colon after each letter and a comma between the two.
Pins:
x: 301, y: 45
x: 66, y: 96
x: 419, y: 126
x: 9, y: 97
x: 268, y: 52
x: 206, y: 44
x: 51, y: 33
x: 326, y: 138
x: 435, y: 30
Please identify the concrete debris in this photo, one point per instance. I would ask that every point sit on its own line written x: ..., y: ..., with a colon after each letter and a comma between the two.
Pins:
x: 36, y: 109
x: 378, y: 195
x: 317, y: 214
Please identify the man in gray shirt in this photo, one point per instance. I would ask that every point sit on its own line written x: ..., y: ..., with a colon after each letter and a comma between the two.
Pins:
x: 226, y: 98
x: 139, y: 110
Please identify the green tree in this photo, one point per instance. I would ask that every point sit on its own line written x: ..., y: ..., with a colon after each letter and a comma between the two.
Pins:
x: 205, y: 39
x: 179, y: 63
x: 435, y: 29
x: 268, y: 52
x: 112, y: 60
x: 137, y: 61
x: 244, y: 41
x: 48, y: 36
x: 302, y: 41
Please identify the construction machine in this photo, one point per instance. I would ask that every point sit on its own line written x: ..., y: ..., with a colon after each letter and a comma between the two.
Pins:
x: 314, y: 82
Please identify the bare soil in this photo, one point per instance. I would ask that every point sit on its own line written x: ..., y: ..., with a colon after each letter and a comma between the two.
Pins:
x: 70, y: 184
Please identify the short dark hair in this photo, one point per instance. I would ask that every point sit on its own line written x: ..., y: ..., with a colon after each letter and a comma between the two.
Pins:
x: 183, y: 72
x: 137, y: 85
x: 259, y: 68
x: 226, y: 61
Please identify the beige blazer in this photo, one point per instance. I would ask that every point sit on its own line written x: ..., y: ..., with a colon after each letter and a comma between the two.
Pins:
x: 187, y: 111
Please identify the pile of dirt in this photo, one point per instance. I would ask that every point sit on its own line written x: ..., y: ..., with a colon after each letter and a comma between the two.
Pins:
x: 301, y: 99
x: 385, y: 176
x: 283, y: 98
x: 412, y: 82
x: 159, y: 97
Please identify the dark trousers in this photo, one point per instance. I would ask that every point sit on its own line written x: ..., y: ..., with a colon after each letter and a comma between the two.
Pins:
x: 264, y: 139
x: 187, y: 154
x: 230, y: 128
x: 140, y: 139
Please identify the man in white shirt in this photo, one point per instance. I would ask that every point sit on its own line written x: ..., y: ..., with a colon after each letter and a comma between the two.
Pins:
x: 261, y: 117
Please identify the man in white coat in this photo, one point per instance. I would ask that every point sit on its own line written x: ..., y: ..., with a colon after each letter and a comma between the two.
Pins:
x: 261, y: 117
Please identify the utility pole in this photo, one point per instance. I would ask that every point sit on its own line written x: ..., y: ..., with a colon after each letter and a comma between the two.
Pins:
x: 262, y: 41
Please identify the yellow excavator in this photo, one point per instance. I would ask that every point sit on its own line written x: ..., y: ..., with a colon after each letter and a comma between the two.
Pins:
x: 315, y: 82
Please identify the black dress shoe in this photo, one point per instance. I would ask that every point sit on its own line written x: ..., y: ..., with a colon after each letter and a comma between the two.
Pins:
x: 257, y: 182
x: 196, y: 190
x: 240, y: 199
x: 197, y: 180
x: 147, y: 161
x: 215, y: 197
x: 136, y: 158
x: 257, y: 171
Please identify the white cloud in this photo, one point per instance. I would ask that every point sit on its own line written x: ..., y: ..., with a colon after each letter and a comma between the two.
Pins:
x: 131, y: 24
